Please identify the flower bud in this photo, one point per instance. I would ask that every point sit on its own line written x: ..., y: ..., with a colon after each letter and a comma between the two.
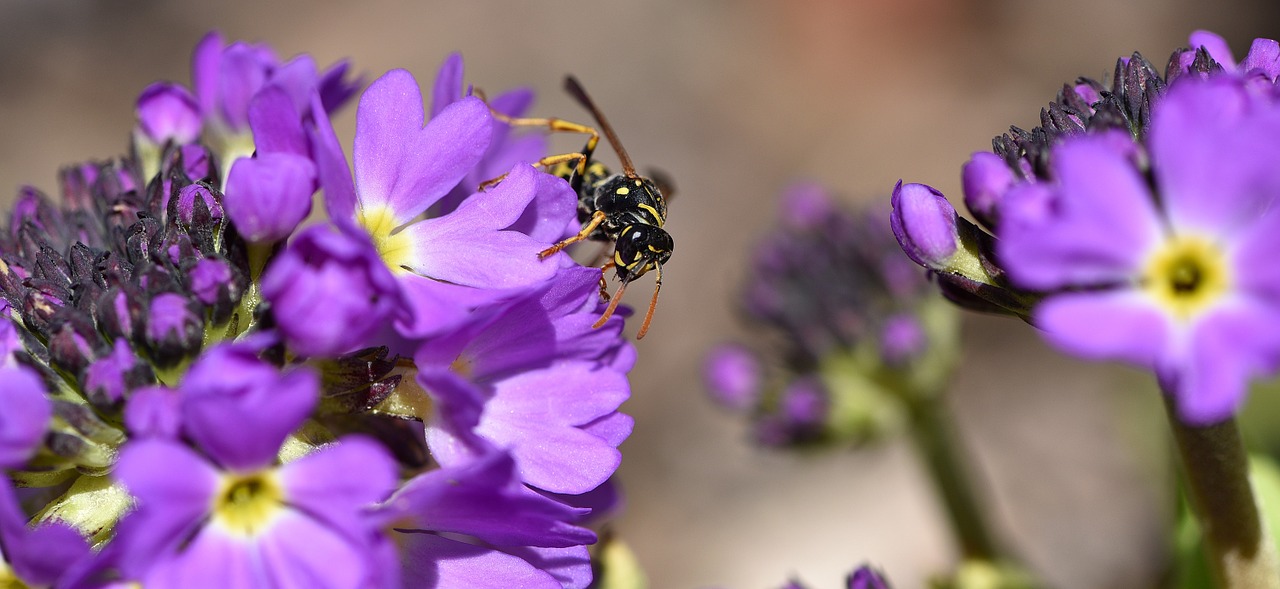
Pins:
x: 329, y: 291
x: 168, y: 112
x: 985, y: 178
x: 267, y: 196
x: 174, y: 330
x: 925, y: 225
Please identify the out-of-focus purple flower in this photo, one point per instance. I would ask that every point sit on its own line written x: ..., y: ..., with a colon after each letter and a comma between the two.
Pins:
x: 154, y: 412
x: 901, y: 339
x: 806, y: 205
x: 985, y: 178
x: 168, y: 112
x: 24, y: 415
x: 804, y: 404
x: 329, y: 291
x: 733, y: 376
x: 108, y: 378
x: 1180, y: 281
x: 35, y: 556
x: 849, y: 314
x: 538, y: 380
x: 227, y: 77
x: 866, y: 577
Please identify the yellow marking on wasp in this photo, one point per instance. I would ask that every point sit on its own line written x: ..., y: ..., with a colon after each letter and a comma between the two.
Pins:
x: 654, y: 249
x: 624, y: 191
x: 652, y: 211
x: 617, y: 259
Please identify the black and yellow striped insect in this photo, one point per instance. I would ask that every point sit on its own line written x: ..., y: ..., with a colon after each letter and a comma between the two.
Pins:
x: 626, y: 209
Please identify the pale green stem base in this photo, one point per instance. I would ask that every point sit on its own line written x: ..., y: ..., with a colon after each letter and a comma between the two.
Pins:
x: 1237, y: 543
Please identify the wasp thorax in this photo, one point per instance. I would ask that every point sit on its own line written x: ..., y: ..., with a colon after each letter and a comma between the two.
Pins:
x: 637, y: 198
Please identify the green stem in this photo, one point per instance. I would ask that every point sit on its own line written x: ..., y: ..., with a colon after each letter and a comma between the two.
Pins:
x: 1237, y: 543
x: 939, y: 447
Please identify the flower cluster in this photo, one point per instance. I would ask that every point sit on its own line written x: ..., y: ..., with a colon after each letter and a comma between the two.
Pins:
x: 852, y: 327
x: 1138, y: 223
x: 197, y: 386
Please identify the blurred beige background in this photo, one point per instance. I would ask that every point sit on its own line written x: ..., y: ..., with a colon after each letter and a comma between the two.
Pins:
x: 734, y: 99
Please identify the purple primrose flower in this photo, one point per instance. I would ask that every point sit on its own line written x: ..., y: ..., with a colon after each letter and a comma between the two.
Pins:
x: 447, y: 265
x: 1179, y: 277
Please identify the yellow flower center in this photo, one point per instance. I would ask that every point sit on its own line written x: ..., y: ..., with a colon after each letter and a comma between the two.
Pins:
x: 1187, y: 275
x: 246, y: 505
x: 396, y: 251
x: 9, y: 579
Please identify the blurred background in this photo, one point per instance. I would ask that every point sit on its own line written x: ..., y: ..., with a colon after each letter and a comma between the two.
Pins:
x: 734, y: 100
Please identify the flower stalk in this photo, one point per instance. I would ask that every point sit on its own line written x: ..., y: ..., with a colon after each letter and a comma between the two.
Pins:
x: 1238, y: 545
x: 940, y: 451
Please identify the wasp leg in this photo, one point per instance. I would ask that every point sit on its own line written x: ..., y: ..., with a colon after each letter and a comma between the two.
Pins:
x: 555, y: 126
x: 545, y: 162
x: 613, y: 306
x: 596, y: 219
x: 604, y: 282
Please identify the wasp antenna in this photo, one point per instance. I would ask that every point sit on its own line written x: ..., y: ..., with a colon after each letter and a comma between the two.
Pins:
x: 613, y: 305
x: 653, y: 304
x: 574, y: 88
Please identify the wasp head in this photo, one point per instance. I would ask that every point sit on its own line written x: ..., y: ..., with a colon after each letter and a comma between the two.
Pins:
x: 641, y: 248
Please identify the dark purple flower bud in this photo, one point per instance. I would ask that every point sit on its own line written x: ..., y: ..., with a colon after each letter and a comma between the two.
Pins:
x: 194, y: 161
x: 924, y: 224
x: 24, y: 415
x: 77, y: 185
x: 74, y: 342
x: 329, y: 291
x: 168, y: 112
x: 174, y: 329
x: 867, y: 578
x: 269, y: 195
x: 40, y: 303
x: 902, y: 339
x: 214, y: 283
x: 154, y: 412
x: 119, y: 313
x: 985, y: 178
x: 198, y: 203
x: 734, y: 376
x: 109, y: 378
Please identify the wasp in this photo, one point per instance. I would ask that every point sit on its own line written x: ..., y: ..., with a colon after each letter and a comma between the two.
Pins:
x: 625, y: 209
